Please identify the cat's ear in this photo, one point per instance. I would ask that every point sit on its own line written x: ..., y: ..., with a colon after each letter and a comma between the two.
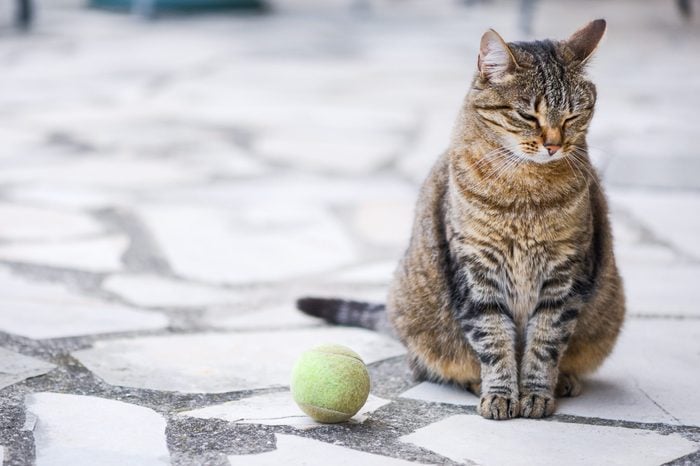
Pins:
x: 583, y: 42
x: 495, y: 57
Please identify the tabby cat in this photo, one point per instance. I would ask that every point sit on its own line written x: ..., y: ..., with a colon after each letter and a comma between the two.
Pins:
x: 509, y: 286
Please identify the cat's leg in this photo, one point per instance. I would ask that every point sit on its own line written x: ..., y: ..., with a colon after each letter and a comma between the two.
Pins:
x: 490, y: 330
x: 548, y: 332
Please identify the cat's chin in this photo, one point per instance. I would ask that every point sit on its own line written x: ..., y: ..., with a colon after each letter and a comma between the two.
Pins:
x: 542, y: 159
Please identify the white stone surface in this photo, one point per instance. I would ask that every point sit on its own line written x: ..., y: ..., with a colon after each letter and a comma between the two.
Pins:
x: 304, y: 451
x: 277, y: 317
x: 672, y: 216
x: 437, y: 393
x: 15, y: 367
x: 339, y: 151
x: 32, y: 223
x: 517, y: 442
x: 152, y: 290
x: 94, y: 255
x: 276, y: 409
x: 626, y: 388
x: 221, y: 362
x: 47, y: 310
x: 106, y: 172
x: 374, y: 273
x: 67, y: 196
x: 266, y: 243
x: 74, y: 429
x: 385, y: 223
x: 667, y: 290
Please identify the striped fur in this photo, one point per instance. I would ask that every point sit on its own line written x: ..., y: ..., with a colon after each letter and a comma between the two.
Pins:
x: 509, y: 285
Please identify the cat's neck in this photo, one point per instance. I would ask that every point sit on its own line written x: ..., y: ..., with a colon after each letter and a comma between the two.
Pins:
x: 484, y: 169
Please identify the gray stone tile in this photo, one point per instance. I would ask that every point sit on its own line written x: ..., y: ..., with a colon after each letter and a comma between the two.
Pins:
x: 33, y: 223
x: 272, y: 317
x: 342, y: 151
x: 74, y: 429
x: 276, y: 409
x: 299, y: 450
x: 662, y: 290
x: 626, y: 388
x: 112, y: 172
x: 221, y: 362
x: 93, y: 255
x: 15, y: 367
x: 385, y: 223
x: 465, y: 438
x: 371, y: 273
x: 48, y: 310
x: 438, y: 393
x: 671, y: 215
x: 258, y: 242
x: 152, y: 290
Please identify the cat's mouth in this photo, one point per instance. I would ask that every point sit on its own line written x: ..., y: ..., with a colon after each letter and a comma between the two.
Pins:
x: 540, y: 156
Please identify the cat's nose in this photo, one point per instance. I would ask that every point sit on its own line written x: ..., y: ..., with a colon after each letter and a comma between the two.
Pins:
x: 552, y: 148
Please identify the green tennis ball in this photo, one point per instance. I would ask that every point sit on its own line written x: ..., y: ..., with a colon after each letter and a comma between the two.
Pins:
x: 330, y: 383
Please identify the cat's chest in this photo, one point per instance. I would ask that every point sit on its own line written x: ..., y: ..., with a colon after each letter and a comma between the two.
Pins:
x: 527, y: 246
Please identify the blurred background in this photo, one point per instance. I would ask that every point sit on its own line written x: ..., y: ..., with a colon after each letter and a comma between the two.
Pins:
x: 276, y: 148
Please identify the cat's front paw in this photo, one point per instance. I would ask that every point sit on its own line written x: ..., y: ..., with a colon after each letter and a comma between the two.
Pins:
x: 537, y: 405
x: 498, y: 407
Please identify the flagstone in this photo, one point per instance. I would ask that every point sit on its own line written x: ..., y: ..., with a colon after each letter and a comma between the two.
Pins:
x: 152, y: 290
x: 15, y: 367
x: 522, y: 442
x: 93, y: 255
x: 21, y: 222
x: 299, y: 450
x: 276, y: 409
x: 264, y: 242
x: 222, y: 362
x: 48, y: 310
x: 106, y: 432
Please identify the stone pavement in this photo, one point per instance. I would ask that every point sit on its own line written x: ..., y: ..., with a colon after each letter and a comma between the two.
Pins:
x: 168, y: 189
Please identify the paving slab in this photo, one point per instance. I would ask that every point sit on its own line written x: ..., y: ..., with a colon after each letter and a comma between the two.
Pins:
x: 221, y: 362
x: 624, y: 388
x: 121, y: 172
x: 48, y: 310
x: 93, y: 255
x: 265, y: 242
x: 152, y: 290
x: 299, y: 450
x: 106, y: 432
x: 277, y: 409
x: 330, y: 150
x: 670, y: 215
x: 440, y: 393
x: 471, y: 438
x: 15, y: 367
x: 273, y: 317
x: 22, y: 222
x: 662, y: 290
x: 384, y: 223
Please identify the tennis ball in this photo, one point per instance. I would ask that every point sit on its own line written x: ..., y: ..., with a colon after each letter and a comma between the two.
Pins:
x: 330, y: 383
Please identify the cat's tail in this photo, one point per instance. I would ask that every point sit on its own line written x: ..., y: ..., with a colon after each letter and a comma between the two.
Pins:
x: 349, y: 313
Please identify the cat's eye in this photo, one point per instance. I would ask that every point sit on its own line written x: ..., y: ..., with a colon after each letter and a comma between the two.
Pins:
x: 528, y: 117
x: 572, y: 118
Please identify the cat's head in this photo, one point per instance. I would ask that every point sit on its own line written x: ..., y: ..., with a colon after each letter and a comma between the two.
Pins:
x: 534, y: 96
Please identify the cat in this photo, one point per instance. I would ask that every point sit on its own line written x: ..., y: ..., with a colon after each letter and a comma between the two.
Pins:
x: 509, y: 286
